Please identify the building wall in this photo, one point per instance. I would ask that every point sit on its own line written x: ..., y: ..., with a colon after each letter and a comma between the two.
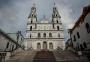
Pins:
x: 34, y: 34
x: 9, y: 46
x: 8, y: 42
x: 3, y: 44
x: 84, y: 35
x: 87, y: 35
x: 56, y: 43
x: 44, y: 27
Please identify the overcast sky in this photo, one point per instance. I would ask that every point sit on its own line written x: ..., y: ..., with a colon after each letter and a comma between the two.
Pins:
x: 14, y: 13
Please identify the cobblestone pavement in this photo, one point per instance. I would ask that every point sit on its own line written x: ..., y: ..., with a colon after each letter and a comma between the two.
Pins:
x: 44, y: 56
x: 26, y: 56
x: 68, y: 56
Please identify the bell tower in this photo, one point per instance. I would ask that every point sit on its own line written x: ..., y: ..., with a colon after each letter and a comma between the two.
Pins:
x: 33, y: 16
x: 56, y: 19
x: 32, y: 20
x: 55, y: 16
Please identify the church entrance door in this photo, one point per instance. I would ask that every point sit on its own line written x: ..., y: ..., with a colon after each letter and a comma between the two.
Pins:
x: 44, y: 45
x: 38, y: 46
x: 50, y: 46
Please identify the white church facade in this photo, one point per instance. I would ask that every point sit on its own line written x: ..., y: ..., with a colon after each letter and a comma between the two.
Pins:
x: 44, y: 34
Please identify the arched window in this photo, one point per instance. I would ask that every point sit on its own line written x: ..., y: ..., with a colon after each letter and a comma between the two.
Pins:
x: 50, y: 45
x: 58, y: 35
x: 74, y: 38
x: 53, y: 25
x: 30, y: 35
x: 88, y: 27
x: 50, y: 34
x: 7, y: 45
x: 38, y: 46
x: 44, y: 35
x: 39, y: 35
x: 31, y: 21
x: 78, y: 35
x: 57, y: 27
x: 30, y: 27
x: 56, y: 15
x: 57, y: 21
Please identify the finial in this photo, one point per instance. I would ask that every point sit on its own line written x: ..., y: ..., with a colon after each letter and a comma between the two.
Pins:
x: 54, y: 4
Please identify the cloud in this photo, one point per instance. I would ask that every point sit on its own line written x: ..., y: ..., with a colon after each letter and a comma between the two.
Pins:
x: 4, y: 2
x: 70, y: 10
x: 14, y: 13
x: 44, y: 7
x: 65, y: 14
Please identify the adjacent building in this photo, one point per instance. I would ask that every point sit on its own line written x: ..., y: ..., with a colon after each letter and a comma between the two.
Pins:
x: 8, y: 45
x: 80, y: 33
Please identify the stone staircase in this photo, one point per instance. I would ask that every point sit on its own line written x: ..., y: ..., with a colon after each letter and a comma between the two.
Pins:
x: 44, y: 56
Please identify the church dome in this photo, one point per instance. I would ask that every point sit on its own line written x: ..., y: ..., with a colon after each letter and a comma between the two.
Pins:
x: 44, y: 20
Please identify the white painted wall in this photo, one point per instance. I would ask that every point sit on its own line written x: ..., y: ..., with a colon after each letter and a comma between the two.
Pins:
x: 84, y: 36
x: 45, y: 27
x: 3, y: 43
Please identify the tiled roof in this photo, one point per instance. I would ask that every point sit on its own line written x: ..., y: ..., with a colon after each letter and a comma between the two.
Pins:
x: 86, y: 10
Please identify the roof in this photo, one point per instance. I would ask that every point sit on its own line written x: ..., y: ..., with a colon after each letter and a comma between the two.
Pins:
x: 8, y: 37
x: 86, y: 10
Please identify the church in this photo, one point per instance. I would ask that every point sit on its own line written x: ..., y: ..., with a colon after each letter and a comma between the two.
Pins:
x: 46, y: 34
